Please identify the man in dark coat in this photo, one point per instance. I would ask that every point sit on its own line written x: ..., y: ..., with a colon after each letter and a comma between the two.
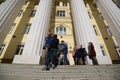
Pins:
x: 81, y: 54
x: 52, y: 53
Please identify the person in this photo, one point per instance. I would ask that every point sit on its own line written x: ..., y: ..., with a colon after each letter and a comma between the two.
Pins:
x: 73, y: 54
x: 48, y: 41
x: 55, y: 47
x: 61, y: 59
x: 52, y: 53
x: 92, y: 53
x: 81, y: 54
x: 65, y: 52
x: 46, y: 47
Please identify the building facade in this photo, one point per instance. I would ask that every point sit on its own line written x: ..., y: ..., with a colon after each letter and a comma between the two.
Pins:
x: 24, y: 24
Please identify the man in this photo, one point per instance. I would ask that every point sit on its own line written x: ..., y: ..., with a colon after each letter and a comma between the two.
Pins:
x: 65, y: 52
x: 52, y: 53
x: 81, y: 54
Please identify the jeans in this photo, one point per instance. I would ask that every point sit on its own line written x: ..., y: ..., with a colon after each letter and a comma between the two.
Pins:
x: 65, y: 57
x: 52, y: 56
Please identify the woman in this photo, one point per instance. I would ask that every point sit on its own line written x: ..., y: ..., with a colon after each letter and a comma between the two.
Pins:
x: 92, y: 53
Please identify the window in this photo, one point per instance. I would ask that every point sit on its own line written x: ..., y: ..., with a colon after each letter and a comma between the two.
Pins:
x: 117, y: 49
x: 89, y: 15
x: 2, y: 46
x: 12, y: 27
x: 60, y: 30
x: 27, y: 28
x: 101, y: 17
x: 33, y: 13
x: 95, y: 6
x: 1, y: 1
x: 64, y: 3
x: 108, y: 30
x: 102, y: 49
x: 19, y: 49
x: 36, y: 3
x: 57, y: 4
x: 85, y: 4
x: 20, y: 13
x: 26, y: 2
x: 95, y: 30
x: 60, y: 13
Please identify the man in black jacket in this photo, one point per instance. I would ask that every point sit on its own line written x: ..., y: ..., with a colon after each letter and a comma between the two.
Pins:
x: 81, y: 53
x: 52, y: 54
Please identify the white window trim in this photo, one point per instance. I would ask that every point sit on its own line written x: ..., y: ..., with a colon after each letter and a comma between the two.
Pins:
x: 2, y: 46
x: 108, y: 31
x: 118, y: 50
x: 27, y: 28
x: 12, y: 28
x: 102, y: 50
x: 63, y: 32
x: 20, y: 47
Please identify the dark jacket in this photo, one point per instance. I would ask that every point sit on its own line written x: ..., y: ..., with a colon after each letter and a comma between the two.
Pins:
x: 81, y: 52
x: 91, y: 51
x: 55, y: 43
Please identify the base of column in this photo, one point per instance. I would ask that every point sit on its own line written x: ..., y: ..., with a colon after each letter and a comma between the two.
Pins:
x: 100, y: 59
x: 26, y: 59
x: 104, y: 60
x: 71, y: 60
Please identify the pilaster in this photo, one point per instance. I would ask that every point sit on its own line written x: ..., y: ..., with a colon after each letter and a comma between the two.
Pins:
x: 8, y: 12
x: 33, y: 49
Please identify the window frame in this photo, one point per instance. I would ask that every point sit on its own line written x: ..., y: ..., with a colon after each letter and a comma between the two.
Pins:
x: 117, y: 48
x: 2, y: 46
x: 57, y: 3
x: 27, y: 28
x: 61, y: 30
x: 12, y: 28
x: 20, y: 13
x: 102, y: 50
x: 95, y: 30
x: 19, y: 49
x: 61, y: 13
x: 65, y: 4
x: 33, y: 12
x: 108, y: 30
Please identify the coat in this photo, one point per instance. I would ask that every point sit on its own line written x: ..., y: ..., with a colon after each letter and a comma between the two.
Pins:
x: 91, y: 51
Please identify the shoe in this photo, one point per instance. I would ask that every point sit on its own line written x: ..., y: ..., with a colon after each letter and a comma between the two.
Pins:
x: 50, y: 65
x: 53, y: 66
x: 45, y: 68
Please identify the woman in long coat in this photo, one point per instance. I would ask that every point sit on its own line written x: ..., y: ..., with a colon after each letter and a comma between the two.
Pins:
x: 92, y: 53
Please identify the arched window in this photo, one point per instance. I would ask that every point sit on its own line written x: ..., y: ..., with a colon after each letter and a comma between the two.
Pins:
x: 60, y: 30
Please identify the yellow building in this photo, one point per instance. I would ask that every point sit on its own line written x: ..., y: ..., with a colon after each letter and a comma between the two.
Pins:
x: 24, y: 24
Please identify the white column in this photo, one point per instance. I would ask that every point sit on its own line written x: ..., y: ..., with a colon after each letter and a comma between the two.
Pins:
x: 111, y: 13
x: 34, y: 45
x: 84, y: 30
x: 8, y: 12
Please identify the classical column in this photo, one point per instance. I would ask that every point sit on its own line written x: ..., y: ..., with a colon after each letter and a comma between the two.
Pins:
x: 8, y: 12
x: 84, y: 30
x: 111, y: 13
x: 34, y: 45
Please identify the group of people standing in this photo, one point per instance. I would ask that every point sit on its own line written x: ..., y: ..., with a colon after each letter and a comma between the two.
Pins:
x: 57, y: 53
x: 54, y: 51
x: 80, y: 54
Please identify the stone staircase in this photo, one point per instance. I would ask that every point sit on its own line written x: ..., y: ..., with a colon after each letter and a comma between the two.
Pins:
x: 80, y: 72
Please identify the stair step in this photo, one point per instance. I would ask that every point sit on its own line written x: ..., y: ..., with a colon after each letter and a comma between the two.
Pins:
x: 64, y: 72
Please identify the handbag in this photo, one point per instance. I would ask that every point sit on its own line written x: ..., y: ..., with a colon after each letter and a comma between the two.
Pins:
x: 90, y: 56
